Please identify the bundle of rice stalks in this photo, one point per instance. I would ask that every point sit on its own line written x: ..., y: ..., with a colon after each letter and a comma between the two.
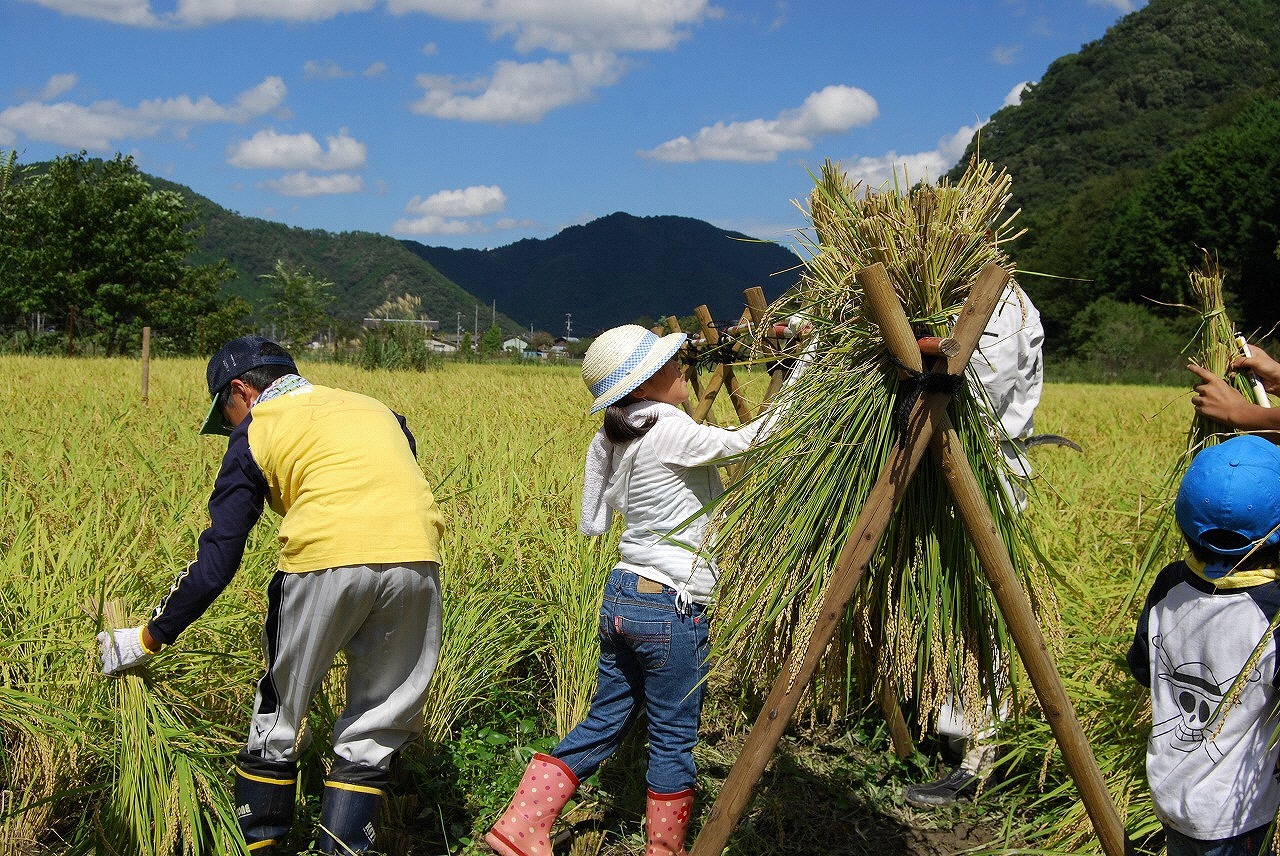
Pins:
x: 169, y: 795
x: 1214, y: 347
x: 924, y: 621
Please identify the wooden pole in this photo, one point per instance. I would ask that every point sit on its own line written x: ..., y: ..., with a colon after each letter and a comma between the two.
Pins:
x: 146, y: 362
x: 722, y: 376
x: 859, y: 547
x: 757, y: 306
x: 1011, y: 599
x: 673, y: 325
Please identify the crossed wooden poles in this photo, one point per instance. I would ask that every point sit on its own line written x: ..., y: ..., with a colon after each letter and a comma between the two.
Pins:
x: 927, y: 426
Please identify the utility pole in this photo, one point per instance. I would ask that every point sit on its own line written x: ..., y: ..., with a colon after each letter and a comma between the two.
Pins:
x: 493, y: 319
x: 459, y: 333
x: 568, y: 325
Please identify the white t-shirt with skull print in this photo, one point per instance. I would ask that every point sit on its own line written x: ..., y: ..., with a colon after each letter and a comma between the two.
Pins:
x: 1209, y: 764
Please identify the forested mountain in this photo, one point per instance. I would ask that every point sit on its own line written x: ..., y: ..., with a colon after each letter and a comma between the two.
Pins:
x: 611, y: 271
x: 618, y: 269
x: 365, y: 268
x: 1128, y: 157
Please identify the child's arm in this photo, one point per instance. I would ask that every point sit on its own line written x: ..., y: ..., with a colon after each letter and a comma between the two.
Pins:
x: 1139, y: 656
x: 1215, y: 399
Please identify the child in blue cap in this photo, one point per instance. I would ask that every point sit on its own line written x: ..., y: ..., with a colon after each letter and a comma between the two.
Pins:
x: 1205, y: 648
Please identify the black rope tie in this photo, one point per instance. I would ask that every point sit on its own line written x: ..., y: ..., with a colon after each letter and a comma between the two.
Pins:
x: 915, y: 385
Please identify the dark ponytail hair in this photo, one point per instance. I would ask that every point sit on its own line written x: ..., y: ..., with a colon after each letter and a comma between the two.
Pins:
x: 618, y: 427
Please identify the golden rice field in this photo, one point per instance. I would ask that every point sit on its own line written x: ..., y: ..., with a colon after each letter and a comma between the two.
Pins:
x: 103, y: 497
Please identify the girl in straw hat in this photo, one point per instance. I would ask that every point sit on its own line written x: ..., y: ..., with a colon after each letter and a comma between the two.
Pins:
x: 654, y: 465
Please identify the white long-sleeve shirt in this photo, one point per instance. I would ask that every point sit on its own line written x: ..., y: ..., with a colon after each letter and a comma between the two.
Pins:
x: 1008, y: 368
x: 660, y: 484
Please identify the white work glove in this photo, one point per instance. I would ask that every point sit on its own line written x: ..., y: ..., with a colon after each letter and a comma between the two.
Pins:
x: 122, y: 649
x: 797, y: 324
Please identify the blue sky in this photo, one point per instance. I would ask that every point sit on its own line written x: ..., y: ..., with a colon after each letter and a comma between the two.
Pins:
x: 476, y: 123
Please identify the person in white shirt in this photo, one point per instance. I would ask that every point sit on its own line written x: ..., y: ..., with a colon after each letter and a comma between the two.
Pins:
x: 1008, y: 375
x: 653, y: 464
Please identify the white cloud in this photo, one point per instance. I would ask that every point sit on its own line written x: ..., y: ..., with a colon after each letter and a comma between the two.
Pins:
x: 570, y: 26
x: 1124, y: 7
x: 832, y: 110
x: 7, y: 137
x: 327, y: 69
x: 876, y: 172
x: 518, y: 92
x: 434, y: 224
x: 258, y: 101
x: 102, y: 124
x: 93, y: 128
x: 269, y: 150
x: 56, y: 85
x: 1015, y: 94
x: 376, y: 69
x: 441, y: 213
x: 134, y: 13
x: 1006, y: 54
x: 304, y: 184
x: 262, y: 99
x: 475, y: 201
x: 201, y: 12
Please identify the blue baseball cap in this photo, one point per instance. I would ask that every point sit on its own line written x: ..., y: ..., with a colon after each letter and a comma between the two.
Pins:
x: 232, y: 360
x: 1229, y: 500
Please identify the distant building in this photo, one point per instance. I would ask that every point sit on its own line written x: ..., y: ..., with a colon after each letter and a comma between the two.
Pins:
x: 516, y: 344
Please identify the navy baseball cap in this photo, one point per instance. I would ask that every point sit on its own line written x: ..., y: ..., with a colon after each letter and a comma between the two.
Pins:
x: 234, y: 359
x: 1229, y: 500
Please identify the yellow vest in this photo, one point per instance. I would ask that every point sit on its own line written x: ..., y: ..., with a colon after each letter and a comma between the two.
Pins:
x: 343, y: 478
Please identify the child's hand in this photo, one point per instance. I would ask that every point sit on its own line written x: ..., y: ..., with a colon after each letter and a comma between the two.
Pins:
x: 1215, y: 399
x: 1263, y: 367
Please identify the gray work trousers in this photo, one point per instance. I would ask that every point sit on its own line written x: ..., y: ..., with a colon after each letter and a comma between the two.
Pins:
x: 387, y: 619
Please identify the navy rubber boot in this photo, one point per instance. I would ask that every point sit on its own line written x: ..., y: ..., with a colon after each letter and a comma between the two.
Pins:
x: 266, y: 795
x: 350, y: 808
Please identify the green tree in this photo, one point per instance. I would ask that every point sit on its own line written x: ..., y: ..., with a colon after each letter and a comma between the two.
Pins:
x: 1125, y: 343
x: 491, y: 343
x: 90, y: 240
x: 297, y: 303
x: 1218, y: 193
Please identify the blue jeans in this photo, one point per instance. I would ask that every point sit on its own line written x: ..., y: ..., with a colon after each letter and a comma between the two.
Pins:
x: 651, y: 656
x: 1246, y: 844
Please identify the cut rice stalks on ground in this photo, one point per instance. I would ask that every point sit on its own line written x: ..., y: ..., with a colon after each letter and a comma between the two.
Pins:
x: 924, y: 619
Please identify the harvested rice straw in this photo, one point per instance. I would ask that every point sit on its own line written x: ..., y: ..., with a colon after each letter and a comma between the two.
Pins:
x: 1216, y: 346
x: 924, y: 608
x: 162, y: 801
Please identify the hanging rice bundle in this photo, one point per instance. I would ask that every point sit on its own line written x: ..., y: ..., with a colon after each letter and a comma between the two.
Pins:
x: 924, y: 620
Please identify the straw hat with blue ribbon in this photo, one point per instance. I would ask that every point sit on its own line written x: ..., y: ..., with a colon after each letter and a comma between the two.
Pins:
x: 624, y: 357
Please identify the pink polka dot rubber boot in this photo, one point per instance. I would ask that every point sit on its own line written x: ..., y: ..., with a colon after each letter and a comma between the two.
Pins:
x: 525, y: 827
x: 666, y: 821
